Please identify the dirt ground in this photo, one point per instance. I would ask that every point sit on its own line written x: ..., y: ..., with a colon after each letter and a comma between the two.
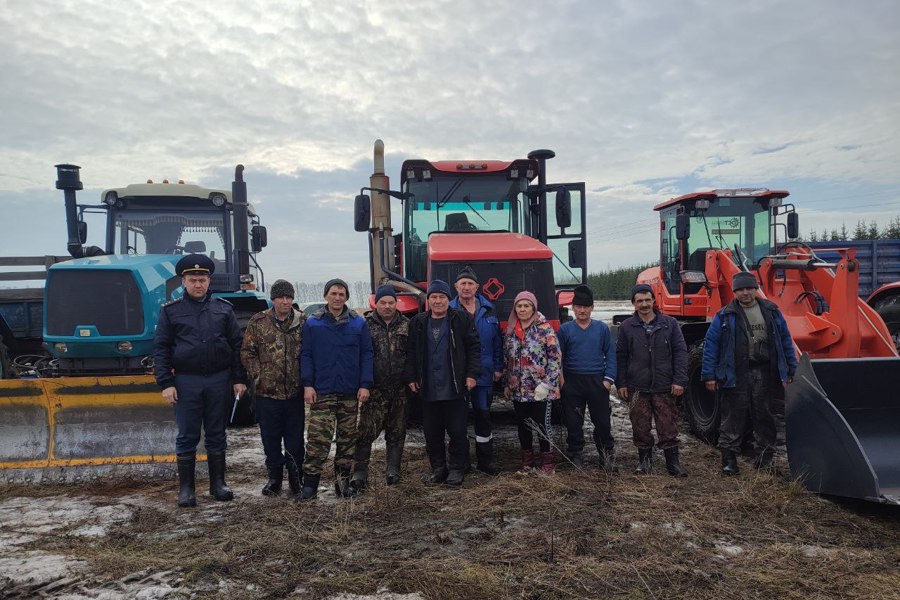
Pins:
x: 576, y: 534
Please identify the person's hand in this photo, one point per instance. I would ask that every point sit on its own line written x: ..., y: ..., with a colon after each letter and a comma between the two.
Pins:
x: 607, y: 384
x: 309, y: 395
x: 362, y: 395
x: 470, y: 383
x: 712, y: 385
x: 497, y: 375
x: 677, y: 390
x: 506, y: 392
x: 622, y: 392
x: 414, y: 387
x: 790, y: 380
x: 562, y: 381
x: 239, y: 389
x: 541, y: 392
x: 170, y: 394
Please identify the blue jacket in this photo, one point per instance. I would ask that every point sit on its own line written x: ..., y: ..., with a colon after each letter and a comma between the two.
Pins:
x: 725, y: 352
x: 336, y: 354
x: 490, y: 336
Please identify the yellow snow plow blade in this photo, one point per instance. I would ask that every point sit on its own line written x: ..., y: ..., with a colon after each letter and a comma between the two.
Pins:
x: 69, y: 427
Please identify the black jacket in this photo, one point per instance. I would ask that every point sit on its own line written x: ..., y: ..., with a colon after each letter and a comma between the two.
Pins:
x: 465, y: 348
x: 651, y: 361
x: 197, y: 338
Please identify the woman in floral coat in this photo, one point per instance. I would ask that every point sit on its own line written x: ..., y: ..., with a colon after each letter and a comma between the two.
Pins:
x: 532, y: 368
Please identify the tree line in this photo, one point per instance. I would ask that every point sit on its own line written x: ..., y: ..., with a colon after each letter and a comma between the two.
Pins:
x: 862, y: 231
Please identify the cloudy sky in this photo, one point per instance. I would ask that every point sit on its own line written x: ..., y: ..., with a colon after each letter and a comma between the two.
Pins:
x: 641, y: 100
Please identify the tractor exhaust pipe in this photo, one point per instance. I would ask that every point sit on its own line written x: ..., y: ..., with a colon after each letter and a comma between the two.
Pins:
x: 68, y: 180
x: 382, y: 254
x: 241, y: 236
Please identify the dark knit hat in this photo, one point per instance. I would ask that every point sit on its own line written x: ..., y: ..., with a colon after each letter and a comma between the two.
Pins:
x: 336, y: 281
x: 467, y: 273
x: 438, y: 287
x: 583, y: 296
x: 642, y: 288
x: 385, y: 290
x: 281, y: 289
x: 744, y: 279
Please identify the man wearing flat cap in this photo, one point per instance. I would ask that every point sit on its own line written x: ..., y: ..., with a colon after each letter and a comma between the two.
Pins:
x: 443, y: 357
x: 386, y: 408
x: 652, y: 363
x: 488, y: 327
x: 748, y: 354
x: 336, y: 371
x: 271, y: 355
x: 198, y: 366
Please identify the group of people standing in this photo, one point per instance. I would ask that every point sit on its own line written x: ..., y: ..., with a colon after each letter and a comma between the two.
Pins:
x: 355, y: 373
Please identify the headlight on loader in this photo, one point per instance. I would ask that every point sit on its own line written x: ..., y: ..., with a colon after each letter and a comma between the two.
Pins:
x: 60, y: 347
x: 124, y: 346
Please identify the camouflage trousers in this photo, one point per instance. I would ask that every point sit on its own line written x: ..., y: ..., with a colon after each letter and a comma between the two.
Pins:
x: 645, y: 408
x: 331, y: 416
x: 385, y: 411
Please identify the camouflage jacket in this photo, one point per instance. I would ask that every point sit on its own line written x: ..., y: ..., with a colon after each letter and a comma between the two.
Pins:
x: 389, y: 344
x: 271, y: 354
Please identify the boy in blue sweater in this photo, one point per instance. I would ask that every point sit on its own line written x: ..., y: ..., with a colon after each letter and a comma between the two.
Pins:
x: 589, y: 371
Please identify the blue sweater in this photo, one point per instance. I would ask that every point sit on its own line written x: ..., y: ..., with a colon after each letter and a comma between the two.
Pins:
x: 336, y: 356
x: 587, y: 351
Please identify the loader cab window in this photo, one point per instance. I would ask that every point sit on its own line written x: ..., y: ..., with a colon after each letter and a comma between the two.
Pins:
x: 157, y: 232
x: 453, y: 203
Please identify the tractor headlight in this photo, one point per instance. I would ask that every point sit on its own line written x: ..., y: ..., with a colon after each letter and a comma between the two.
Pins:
x: 60, y: 347
x: 124, y: 346
x: 110, y: 198
x: 217, y: 199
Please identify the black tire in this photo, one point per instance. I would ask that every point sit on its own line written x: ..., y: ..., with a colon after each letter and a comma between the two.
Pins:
x: 701, y: 407
x: 6, y: 369
x: 889, y: 310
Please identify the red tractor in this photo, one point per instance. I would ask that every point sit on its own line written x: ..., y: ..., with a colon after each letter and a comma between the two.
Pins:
x: 842, y: 413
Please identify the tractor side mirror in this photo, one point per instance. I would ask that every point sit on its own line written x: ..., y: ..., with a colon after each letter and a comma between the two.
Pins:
x: 793, y: 225
x: 82, y: 232
x: 682, y: 226
x: 258, y: 238
x: 577, y: 254
x: 362, y: 213
x: 563, y: 208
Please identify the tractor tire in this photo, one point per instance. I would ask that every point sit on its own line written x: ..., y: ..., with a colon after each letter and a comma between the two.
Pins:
x: 889, y: 310
x: 701, y: 407
x: 6, y: 367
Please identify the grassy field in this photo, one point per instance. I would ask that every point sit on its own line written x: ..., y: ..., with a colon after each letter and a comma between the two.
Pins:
x: 577, y: 534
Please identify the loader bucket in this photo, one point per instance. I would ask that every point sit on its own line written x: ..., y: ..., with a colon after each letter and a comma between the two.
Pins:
x: 68, y: 428
x: 842, y: 423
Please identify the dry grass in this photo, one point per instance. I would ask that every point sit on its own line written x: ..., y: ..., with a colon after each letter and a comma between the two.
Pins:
x: 571, y: 535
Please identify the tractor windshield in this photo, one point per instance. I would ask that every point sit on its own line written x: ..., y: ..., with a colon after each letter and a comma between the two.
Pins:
x: 164, y: 232
x: 459, y: 204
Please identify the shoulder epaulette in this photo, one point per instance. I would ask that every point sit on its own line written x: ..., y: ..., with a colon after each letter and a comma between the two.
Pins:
x: 173, y: 301
x: 221, y: 299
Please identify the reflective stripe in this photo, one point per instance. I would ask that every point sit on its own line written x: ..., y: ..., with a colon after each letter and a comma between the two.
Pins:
x: 481, y: 439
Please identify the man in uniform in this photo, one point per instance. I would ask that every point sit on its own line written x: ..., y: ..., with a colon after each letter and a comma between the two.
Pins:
x: 197, y: 364
x: 491, y: 338
x: 271, y: 355
x: 748, y: 354
x: 386, y: 409
x: 336, y: 373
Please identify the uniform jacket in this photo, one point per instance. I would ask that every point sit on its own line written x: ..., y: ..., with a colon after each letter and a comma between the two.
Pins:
x: 651, y: 361
x: 389, y: 347
x: 465, y: 348
x: 197, y: 338
x: 271, y: 353
x: 532, y: 360
x: 725, y: 352
x: 336, y: 354
x: 488, y: 327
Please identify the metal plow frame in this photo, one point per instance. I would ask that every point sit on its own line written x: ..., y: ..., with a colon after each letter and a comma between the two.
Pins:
x: 843, y: 427
x: 70, y: 428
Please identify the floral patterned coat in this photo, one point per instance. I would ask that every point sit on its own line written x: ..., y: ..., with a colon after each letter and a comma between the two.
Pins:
x: 532, y: 360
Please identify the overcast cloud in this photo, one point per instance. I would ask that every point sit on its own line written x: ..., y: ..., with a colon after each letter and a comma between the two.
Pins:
x: 641, y: 100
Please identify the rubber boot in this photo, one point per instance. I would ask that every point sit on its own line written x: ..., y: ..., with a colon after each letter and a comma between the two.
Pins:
x: 393, y: 455
x: 729, y: 463
x: 217, y: 487
x: 672, y: 465
x: 186, y: 471
x: 294, y: 478
x: 455, y: 477
x: 273, y: 485
x: 484, y: 452
x: 645, y: 461
x: 577, y: 459
x: 548, y: 467
x: 360, y: 479
x: 608, y: 460
x: 342, y: 487
x: 527, y: 461
x: 439, y: 474
x: 310, y: 487
x: 763, y: 462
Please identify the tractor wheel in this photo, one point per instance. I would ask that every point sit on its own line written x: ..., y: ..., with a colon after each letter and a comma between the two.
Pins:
x: 701, y: 407
x: 889, y: 310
